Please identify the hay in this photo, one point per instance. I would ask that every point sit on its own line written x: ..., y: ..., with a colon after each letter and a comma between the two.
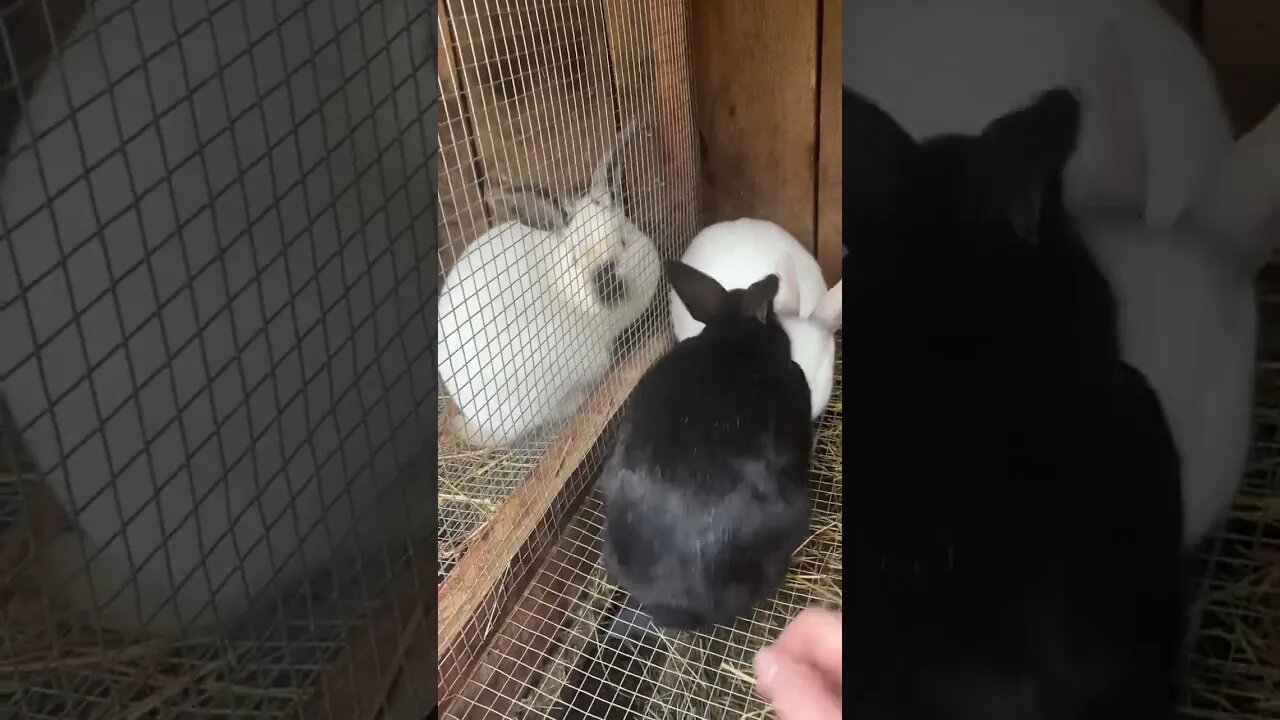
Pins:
x: 472, y: 483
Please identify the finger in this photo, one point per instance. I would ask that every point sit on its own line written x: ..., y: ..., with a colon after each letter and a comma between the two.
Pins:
x: 794, y: 688
x: 815, y: 637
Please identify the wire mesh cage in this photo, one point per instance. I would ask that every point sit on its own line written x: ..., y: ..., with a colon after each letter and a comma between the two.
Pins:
x: 217, y: 308
x: 572, y: 165
x: 568, y: 173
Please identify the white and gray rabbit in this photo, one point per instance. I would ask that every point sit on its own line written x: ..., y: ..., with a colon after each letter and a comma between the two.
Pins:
x: 529, y: 314
x: 941, y: 67
x: 214, y: 343
x: 738, y: 253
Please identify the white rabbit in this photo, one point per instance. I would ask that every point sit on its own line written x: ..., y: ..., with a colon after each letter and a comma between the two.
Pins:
x: 1188, y: 313
x: 812, y: 334
x: 737, y: 253
x: 531, y: 311
x: 214, y: 347
x: 938, y: 67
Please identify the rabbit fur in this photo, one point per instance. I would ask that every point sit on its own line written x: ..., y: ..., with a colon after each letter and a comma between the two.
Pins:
x: 1030, y: 568
x: 214, y: 345
x: 1189, y: 317
x: 706, y: 488
x: 1183, y: 269
x: 530, y: 312
x: 739, y: 252
x: 811, y: 336
x: 940, y: 67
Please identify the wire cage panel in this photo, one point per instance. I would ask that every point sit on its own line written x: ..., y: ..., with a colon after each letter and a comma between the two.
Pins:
x: 569, y: 173
x: 215, y: 291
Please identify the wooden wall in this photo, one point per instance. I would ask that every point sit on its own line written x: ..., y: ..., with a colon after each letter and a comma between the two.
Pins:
x: 1241, y: 39
x: 766, y: 84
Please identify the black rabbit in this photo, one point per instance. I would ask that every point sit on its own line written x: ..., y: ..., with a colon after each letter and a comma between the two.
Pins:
x: 1013, y: 507
x: 706, y: 490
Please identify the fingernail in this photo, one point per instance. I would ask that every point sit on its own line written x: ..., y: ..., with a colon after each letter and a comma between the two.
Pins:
x: 766, y: 669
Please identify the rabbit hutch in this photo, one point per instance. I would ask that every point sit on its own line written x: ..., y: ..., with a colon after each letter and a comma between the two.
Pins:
x: 215, y: 294
x: 665, y: 115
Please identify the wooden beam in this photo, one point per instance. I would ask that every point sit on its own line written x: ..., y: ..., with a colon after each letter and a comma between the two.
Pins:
x: 830, y: 233
x: 755, y: 68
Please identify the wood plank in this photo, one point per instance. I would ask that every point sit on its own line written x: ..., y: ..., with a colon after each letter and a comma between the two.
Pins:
x: 830, y: 234
x: 1240, y: 40
x: 528, y: 523
x: 463, y: 215
x: 755, y: 68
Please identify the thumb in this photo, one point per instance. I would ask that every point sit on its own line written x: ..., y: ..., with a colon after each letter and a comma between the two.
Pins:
x: 795, y: 689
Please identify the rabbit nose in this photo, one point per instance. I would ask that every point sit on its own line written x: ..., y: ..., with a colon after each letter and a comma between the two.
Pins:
x: 609, y: 286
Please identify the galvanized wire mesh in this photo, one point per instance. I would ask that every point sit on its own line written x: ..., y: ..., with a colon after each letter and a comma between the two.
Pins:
x: 576, y: 648
x: 541, y: 94
x: 217, y: 299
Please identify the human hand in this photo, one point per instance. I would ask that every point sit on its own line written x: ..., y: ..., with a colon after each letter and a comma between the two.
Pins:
x: 800, y: 673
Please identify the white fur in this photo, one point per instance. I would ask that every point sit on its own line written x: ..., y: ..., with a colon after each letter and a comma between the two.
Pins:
x: 523, y: 339
x: 288, y: 409
x: 737, y: 253
x: 1188, y: 315
x: 939, y: 66
x: 1188, y: 320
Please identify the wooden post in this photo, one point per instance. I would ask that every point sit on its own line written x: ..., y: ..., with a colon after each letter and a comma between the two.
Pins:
x: 755, y: 75
x: 830, y: 140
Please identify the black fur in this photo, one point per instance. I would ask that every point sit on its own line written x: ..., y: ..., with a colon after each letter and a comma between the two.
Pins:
x: 706, y: 491
x: 1013, y: 512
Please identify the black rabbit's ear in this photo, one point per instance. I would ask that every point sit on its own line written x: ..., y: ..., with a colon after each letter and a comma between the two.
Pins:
x: 878, y: 156
x: 1022, y: 155
x: 700, y: 293
x: 757, y: 300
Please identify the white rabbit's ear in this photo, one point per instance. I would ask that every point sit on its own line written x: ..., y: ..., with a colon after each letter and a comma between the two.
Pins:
x: 1109, y: 167
x: 530, y: 206
x: 788, y: 300
x: 606, y: 178
x: 830, y: 310
x: 1241, y: 200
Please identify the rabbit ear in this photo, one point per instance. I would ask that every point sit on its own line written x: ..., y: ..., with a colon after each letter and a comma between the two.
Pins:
x: 1022, y: 155
x: 830, y: 310
x: 701, y: 294
x: 788, y: 300
x: 757, y: 300
x: 606, y: 178
x: 1241, y: 200
x: 531, y: 206
x: 880, y: 156
x: 1109, y: 167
